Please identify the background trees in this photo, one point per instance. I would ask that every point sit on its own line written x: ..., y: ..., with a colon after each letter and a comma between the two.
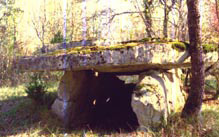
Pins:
x: 9, y: 17
x: 141, y: 18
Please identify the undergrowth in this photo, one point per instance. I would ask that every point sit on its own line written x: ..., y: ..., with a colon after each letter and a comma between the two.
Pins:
x: 36, y: 89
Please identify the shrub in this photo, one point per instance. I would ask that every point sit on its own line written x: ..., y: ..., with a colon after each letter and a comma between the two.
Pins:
x: 58, y: 38
x: 36, y: 88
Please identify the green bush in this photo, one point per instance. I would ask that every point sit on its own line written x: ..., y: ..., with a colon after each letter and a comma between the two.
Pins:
x: 58, y: 38
x: 36, y: 88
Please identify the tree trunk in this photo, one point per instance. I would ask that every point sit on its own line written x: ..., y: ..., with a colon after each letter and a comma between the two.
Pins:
x: 193, y: 104
x: 147, y: 15
x: 217, y: 11
x: 165, y: 22
x: 148, y: 25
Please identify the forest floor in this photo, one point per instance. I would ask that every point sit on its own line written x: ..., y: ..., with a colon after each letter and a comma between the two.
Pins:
x: 20, y: 117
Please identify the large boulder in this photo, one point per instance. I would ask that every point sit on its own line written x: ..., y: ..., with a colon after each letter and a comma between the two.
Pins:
x: 157, y: 94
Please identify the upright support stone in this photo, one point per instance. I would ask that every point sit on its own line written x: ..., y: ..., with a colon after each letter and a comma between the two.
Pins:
x: 154, y: 98
x: 73, y: 96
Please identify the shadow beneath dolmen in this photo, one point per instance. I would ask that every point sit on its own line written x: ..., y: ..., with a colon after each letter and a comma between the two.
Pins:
x: 112, y: 112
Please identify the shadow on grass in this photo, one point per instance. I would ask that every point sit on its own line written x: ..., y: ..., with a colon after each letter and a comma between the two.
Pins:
x: 20, y: 116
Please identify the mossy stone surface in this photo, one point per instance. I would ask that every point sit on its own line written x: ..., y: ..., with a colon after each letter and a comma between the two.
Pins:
x: 122, y: 45
x: 91, y: 49
x: 182, y: 46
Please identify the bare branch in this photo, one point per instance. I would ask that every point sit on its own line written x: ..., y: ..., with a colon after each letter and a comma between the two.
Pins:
x: 36, y: 30
x: 140, y: 13
x: 162, y: 2
x: 122, y: 13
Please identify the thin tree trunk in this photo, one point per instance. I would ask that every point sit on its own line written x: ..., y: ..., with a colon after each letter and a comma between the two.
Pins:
x: 147, y: 15
x: 167, y: 10
x: 193, y: 104
x: 217, y: 11
x: 148, y: 25
x: 165, y: 22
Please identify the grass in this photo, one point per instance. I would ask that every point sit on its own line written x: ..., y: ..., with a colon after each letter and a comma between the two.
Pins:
x: 20, y: 117
x: 7, y: 93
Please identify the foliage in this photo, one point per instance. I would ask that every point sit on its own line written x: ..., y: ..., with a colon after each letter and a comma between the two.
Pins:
x: 36, y: 88
x: 209, y: 47
x: 210, y: 84
x: 8, y: 42
x: 8, y: 22
x: 58, y: 38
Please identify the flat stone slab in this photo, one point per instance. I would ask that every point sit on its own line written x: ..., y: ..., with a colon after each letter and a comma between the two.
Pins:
x: 137, y: 58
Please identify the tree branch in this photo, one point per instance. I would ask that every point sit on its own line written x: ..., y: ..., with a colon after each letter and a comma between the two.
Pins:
x: 122, y: 13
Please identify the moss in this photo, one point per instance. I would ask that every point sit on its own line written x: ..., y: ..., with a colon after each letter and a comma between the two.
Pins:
x: 127, y: 44
x: 145, y: 40
x: 159, y: 40
x: 209, y: 47
x: 140, y: 86
x: 90, y: 49
x: 162, y: 40
x: 182, y: 46
x: 146, y: 87
x: 151, y: 88
x: 179, y: 46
